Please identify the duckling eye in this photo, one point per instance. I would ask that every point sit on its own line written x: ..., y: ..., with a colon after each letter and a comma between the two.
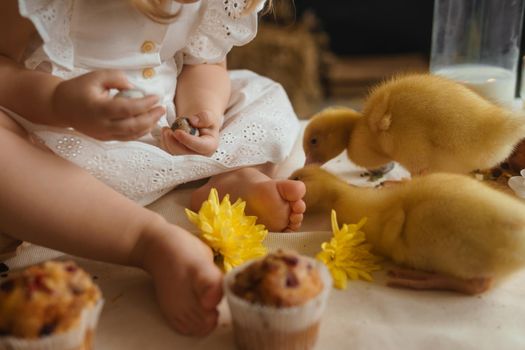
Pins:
x: 296, y: 178
x: 313, y: 141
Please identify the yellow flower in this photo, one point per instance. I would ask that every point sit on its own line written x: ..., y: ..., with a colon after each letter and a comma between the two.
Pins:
x: 233, y: 236
x: 347, y: 255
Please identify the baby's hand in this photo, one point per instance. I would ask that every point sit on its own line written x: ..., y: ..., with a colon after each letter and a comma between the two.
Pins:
x: 180, y: 142
x: 84, y: 103
x: 187, y: 282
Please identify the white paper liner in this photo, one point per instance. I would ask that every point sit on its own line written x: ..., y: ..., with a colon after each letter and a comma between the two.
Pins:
x: 71, y: 340
x: 286, y: 319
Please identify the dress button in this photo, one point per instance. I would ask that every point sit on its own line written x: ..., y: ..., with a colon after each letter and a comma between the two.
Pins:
x: 148, y: 73
x: 147, y: 46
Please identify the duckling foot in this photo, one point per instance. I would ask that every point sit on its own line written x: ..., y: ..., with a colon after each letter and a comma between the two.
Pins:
x: 421, y: 280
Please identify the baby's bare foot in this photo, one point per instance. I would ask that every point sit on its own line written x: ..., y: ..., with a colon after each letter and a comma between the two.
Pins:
x: 278, y: 204
x: 187, y: 283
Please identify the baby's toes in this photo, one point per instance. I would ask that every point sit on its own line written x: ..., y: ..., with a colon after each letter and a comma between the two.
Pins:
x: 298, y: 207
x: 294, y: 222
x: 292, y: 228
x: 296, y: 219
x: 291, y: 190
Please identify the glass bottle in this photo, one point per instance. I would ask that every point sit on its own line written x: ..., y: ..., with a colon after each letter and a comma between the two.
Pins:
x: 477, y: 42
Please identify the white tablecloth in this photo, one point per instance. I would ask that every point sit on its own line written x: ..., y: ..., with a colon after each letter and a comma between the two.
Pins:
x: 365, y: 316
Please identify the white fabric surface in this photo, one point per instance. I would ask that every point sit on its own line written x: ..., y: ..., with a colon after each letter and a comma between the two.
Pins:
x: 79, y: 36
x: 365, y: 316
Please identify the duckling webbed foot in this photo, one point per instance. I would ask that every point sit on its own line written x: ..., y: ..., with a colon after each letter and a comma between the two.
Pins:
x: 421, y: 280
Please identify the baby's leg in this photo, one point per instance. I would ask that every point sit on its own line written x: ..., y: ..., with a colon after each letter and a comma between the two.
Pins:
x: 48, y: 201
x: 278, y: 204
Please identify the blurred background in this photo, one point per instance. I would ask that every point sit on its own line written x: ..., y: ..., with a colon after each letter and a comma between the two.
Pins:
x: 331, y: 52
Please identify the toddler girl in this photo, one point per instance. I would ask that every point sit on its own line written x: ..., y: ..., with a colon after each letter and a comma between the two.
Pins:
x: 79, y: 163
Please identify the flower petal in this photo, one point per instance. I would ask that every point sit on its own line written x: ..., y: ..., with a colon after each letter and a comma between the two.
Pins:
x: 233, y: 236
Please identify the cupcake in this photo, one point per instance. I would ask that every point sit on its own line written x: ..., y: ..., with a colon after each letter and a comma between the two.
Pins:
x: 54, y: 305
x: 277, y: 302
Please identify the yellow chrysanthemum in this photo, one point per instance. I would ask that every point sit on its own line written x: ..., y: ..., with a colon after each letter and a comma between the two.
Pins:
x: 347, y: 255
x: 233, y: 236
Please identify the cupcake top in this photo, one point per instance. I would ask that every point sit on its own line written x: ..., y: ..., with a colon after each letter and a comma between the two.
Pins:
x: 45, y: 299
x: 281, y: 279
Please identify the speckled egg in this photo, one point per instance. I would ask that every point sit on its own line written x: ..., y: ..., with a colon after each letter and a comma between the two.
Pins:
x: 183, y: 124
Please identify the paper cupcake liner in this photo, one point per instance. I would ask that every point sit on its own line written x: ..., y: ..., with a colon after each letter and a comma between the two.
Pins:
x: 266, y: 327
x: 78, y: 338
x: 248, y: 339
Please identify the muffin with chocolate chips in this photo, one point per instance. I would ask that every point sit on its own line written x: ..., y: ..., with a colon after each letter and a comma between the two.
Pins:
x: 277, y: 302
x: 51, y: 305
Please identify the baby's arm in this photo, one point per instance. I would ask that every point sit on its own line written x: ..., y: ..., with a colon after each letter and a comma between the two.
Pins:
x: 82, y: 103
x: 19, y: 85
x: 39, y: 188
x: 203, y: 92
x: 49, y: 201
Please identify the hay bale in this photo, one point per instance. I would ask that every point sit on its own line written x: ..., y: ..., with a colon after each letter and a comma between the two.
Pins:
x: 290, y: 55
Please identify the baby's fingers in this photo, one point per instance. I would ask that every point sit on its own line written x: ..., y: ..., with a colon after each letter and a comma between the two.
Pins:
x: 112, y: 79
x: 122, y: 108
x: 204, y: 144
x: 202, y: 120
x: 135, y: 127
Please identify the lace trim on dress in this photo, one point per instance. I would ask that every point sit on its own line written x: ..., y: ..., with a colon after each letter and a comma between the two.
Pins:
x: 223, y: 25
x: 51, y: 19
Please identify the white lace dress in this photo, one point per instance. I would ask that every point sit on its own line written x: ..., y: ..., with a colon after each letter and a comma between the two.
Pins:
x: 78, y: 36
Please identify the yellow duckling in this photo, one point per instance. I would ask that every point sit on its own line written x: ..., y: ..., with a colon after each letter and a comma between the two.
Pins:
x: 424, y: 122
x: 462, y: 231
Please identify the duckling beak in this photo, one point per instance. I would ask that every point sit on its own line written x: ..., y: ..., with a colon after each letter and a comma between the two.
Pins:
x: 310, y: 160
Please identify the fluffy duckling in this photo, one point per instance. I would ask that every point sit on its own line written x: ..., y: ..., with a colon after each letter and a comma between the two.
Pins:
x: 424, y: 122
x: 328, y: 133
x: 463, y: 232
